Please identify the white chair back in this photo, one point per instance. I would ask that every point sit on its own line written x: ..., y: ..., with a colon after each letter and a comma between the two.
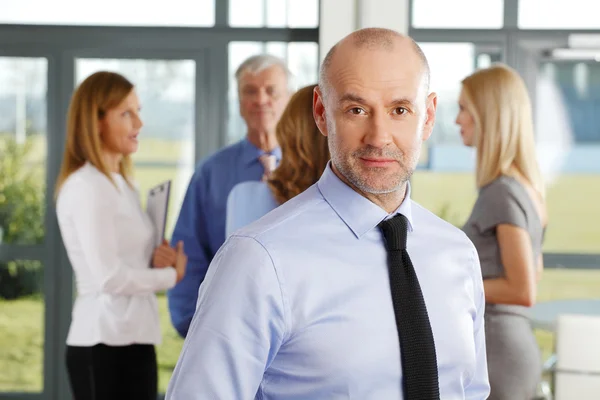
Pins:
x: 577, y: 373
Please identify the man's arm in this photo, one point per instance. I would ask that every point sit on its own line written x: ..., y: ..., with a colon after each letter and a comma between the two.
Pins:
x: 237, y: 329
x: 478, y: 388
x: 191, y: 229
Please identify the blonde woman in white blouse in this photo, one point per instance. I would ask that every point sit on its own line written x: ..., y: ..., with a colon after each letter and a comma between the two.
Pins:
x: 108, y: 238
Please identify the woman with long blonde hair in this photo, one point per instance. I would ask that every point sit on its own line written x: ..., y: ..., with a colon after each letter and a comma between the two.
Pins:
x: 110, y: 244
x: 507, y: 223
x: 304, y: 156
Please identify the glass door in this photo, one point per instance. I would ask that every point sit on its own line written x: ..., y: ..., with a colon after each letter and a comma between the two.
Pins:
x: 564, y: 82
x: 166, y: 89
x: 445, y: 182
x: 567, y: 109
x: 167, y: 92
x: 23, y: 195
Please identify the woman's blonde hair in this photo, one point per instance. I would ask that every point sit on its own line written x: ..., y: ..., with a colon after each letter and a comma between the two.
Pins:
x: 498, y: 101
x: 304, y: 150
x: 96, y: 95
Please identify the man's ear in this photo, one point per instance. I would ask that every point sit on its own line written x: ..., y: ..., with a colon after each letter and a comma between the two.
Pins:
x: 430, y: 108
x: 319, y: 110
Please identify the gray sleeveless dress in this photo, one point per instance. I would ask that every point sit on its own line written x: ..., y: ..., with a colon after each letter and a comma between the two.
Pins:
x: 514, y: 361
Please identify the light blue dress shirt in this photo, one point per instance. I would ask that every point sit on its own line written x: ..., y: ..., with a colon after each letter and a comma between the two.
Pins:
x: 247, y: 202
x: 297, y: 306
x: 201, y: 221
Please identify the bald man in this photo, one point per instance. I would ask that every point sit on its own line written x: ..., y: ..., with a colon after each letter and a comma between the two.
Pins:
x: 350, y: 290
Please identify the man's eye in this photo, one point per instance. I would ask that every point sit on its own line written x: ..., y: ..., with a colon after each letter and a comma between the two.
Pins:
x: 356, y: 111
x: 400, y: 110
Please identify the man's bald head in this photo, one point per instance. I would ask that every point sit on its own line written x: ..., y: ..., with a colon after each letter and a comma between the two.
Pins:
x: 371, y: 39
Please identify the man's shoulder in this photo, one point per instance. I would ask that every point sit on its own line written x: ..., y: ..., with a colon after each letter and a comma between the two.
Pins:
x: 297, y: 215
x: 425, y: 218
x: 255, y: 193
x: 221, y: 158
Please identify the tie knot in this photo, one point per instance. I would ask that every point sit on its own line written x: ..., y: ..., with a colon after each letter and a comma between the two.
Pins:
x: 394, y: 231
x: 269, y: 162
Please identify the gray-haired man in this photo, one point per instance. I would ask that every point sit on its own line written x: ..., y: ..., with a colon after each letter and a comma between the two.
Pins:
x: 264, y: 90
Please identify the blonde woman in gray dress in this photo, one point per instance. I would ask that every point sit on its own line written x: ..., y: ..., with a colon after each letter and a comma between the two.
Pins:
x: 507, y: 223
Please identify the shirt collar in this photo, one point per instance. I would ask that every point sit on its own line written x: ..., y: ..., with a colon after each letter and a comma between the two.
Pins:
x: 250, y: 153
x: 358, y: 213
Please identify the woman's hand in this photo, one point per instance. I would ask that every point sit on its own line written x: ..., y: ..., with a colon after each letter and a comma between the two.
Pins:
x: 181, y: 261
x: 164, y: 256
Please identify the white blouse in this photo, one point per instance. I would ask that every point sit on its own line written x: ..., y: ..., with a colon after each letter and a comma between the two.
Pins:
x: 109, y: 241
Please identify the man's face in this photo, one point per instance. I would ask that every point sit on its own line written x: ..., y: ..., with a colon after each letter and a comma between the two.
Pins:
x: 263, y: 97
x: 376, y: 115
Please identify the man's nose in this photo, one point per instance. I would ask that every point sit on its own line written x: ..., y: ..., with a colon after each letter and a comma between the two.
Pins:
x: 262, y: 97
x: 378, y: 134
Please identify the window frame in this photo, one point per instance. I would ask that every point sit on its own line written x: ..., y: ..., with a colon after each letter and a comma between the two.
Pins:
x: 61, y: 45
x: 513, y: 40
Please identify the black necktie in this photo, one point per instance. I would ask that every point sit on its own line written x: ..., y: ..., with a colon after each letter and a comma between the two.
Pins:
x: 417, y: 348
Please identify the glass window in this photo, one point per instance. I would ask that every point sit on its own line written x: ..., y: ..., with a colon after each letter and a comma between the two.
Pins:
x: 167, y: 96
x: 450, y: 63
x: 566, y: 108
x: 302, y: 59
x: 544, y: 14
x: 568, y: 140
x: 274, y: 13
x: 460, y: 14
x: 166, y: 89
x: 167, y: 353
x: 23, y: 85
x: 21, y: 326
x: 109, y: 12
x: 445, y: 182
x: 568, y: 126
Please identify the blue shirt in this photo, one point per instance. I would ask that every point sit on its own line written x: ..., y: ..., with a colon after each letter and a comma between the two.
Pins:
x: 247, y: 202
x: 201, y: 222
x: 297, y: 306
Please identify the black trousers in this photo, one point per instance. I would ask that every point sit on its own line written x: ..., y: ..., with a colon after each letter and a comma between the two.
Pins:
x: 104, y: 372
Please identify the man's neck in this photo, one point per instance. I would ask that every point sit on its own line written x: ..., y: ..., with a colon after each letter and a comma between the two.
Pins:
x: 263, y: 140
x: 390, y: 202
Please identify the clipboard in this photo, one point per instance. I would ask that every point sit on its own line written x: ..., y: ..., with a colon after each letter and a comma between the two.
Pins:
x: 157, y: 208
